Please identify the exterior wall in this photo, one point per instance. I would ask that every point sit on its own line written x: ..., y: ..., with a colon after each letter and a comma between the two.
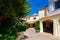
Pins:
x: 55, y: 12
x: 56, y: 25
x: 47, y: 11
x: 37, y: 18
x: 52, y: 9
x: 32, y: 18
x: 51, y: 6
x: 50, y: 12
x: 41, y: 13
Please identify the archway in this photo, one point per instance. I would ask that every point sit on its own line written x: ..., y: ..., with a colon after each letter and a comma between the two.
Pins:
x: 31, y: 25
x: 48, y: 26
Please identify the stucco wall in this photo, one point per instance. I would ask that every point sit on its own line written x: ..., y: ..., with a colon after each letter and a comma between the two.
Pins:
x: 32, y: 19
x: 56, y: 24
x: 41, y: 13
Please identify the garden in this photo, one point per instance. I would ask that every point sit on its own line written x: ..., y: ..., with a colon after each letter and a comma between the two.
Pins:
x: 11, y: 12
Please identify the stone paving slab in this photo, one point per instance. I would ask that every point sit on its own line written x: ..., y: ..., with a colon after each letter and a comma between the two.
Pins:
x: 32, y: 35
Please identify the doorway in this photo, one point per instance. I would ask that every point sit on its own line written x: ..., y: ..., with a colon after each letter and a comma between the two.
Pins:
x: 48, y: 26
x: 31, y: 25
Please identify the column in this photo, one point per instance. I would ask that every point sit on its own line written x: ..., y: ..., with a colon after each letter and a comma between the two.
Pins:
x: 59, y: 28
x: 55, y: 27
x: 41, y: 27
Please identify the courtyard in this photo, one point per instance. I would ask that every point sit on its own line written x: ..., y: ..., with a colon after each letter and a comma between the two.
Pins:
x: 30, y: 34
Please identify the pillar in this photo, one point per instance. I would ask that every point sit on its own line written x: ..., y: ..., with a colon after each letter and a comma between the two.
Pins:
x: 55, y: 27
x: 41, y: 26
x: 59, y: 28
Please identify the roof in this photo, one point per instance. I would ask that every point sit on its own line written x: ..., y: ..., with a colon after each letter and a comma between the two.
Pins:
x: 35, y: 15
x: 55, y: 0
x: 51, y: 16
x: 44, y: 8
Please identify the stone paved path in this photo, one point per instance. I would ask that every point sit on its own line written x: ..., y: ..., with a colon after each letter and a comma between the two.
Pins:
x: 30, y: 34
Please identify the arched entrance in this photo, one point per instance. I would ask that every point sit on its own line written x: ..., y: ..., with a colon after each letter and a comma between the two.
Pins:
x: 31, y: 25
x: 48, y: 26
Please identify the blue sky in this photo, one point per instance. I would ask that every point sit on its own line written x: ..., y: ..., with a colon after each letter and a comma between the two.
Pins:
x: 36, y: 5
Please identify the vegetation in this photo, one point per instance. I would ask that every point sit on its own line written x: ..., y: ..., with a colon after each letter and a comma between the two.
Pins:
x: 36, y: 26
x: 10, y: 13
x: 21, y: 26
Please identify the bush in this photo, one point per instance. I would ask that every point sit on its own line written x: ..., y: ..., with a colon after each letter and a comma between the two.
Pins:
x: 36, y: 25
x: 10, y: 27
x: 9, y: 10
x: 7, y: 37
x: 20, y: 28
x: 26, y: 25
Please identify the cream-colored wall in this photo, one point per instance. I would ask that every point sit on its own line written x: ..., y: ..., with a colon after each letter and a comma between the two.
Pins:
x: 37, y: 18
x: 47, y: 11
x: 56, y: 25
x: 41, y: 13
x: 52, y: 11
x: 32, y: 19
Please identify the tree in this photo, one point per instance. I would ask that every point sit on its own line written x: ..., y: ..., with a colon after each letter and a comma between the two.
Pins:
x: 13, y: 8
x: 10, y: 11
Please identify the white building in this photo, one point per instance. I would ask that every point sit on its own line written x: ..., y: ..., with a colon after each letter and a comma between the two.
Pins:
x: 32, y: 19
x: 50, y: 18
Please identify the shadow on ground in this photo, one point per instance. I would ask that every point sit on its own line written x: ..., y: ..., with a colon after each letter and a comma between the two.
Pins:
x: 25, y: 37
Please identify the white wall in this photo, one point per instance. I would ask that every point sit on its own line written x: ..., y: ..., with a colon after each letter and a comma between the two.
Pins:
x: 55, y: 12
x: 37, y: 18
x: 51, y: 5
x: 41, y: 13
x: 32, y: 18
x: 52, y: 9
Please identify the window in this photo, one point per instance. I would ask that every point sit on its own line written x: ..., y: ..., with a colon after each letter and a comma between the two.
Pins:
x: 35, y: 18
x: 57, y: 4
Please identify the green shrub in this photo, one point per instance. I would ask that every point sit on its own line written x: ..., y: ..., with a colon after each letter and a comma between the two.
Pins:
x: 7, y: 37
x: 7, y: 29
x: 26, y: 25
x: 9, y: 10
x: 20, y: 28
x: 36, y: 25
